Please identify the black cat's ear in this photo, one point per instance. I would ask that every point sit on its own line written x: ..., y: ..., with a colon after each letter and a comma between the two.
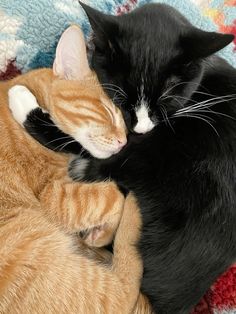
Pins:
x: 201, y: 44
x: 103, y: 25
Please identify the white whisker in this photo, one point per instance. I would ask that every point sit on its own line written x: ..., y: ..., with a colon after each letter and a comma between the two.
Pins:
x: 116, y: 90
x: 200, y: 117
x: 60, y: 147
x: 177, y: 84
x: 82, y: 152
x: 202, y: 93
x: 124, y: 162
x: 185, y: 98
x: 58, y: 139
x: 116, y: 87
x: 45, y: 123
x: 207, y: 103
x: 210, y: 111
x: 166, y: 119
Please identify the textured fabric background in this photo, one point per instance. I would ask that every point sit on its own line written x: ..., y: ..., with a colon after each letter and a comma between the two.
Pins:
x: 30, y: 29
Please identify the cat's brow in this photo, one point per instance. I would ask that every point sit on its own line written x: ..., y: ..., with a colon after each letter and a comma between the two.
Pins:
x: 70, y: 97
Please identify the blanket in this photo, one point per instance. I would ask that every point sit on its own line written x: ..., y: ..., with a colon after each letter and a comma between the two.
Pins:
x: 29, y: 32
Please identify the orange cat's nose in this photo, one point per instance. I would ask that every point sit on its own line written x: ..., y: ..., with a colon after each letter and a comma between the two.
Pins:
x: 122, y: 142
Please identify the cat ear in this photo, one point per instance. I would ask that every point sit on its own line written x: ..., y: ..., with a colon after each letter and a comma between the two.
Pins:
x: 103, y: 25
x: 201, y: 44
x: 71, y: 62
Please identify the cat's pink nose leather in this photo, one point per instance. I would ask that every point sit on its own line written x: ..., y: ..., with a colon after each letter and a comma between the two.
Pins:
x: 121, y: 142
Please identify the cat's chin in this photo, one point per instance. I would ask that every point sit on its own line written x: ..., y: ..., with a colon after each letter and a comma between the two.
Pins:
x: 98, y: 151
x: 94, y: 148
x: 102, y: 154
x: 99, y: 154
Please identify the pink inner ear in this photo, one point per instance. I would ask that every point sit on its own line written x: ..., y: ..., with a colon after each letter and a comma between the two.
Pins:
x: 71, y: 61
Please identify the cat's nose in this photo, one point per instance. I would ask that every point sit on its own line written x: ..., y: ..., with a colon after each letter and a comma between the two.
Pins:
x: 121, y: 142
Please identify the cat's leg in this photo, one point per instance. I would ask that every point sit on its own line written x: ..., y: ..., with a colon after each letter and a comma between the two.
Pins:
x: 21, y: 103
x: 43, y: 270
x: 27, y: 112
x: 127, y: 263
x: 94, y: 209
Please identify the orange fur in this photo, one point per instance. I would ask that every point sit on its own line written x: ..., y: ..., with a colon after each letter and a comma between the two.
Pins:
x: 44, y: 268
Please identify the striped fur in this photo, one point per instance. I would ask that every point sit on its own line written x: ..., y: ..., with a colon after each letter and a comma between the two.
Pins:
x: 44, y: 266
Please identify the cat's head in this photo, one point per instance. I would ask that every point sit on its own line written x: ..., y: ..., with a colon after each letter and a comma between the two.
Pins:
x: 154, y: 57
x: 78, y: 104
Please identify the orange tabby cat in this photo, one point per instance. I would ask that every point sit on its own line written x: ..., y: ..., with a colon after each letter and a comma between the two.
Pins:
x: 44, y: 268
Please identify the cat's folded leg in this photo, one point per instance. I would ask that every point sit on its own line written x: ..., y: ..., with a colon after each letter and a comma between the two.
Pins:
x: 93, y: 210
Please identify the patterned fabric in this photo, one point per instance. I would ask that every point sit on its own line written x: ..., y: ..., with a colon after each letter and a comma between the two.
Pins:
x: 29, y: 31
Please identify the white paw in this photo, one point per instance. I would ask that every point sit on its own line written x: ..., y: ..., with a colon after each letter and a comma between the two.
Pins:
x: 21, y: 102
x: 78, y: 168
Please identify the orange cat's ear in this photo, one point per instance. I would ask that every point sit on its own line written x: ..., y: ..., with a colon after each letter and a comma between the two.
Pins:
x: 71, y: 61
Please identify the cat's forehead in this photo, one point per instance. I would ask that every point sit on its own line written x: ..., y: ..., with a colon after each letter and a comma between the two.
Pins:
x: 151, y: 35
x: 149, y: 56
x: 84, y: 96
x: 88, y: 86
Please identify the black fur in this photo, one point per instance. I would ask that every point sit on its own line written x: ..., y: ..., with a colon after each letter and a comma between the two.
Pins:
x: 182, y: 172
x: 40, y: 126
x: 186, y: 188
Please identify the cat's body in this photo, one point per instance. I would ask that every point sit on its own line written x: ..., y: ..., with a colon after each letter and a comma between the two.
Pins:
x: 186, y: 189
x: 183, y: 169
x: 44, y: 266
x: 182, y: 172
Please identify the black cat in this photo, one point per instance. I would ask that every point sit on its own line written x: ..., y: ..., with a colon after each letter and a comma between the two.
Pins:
x: 182, y: 168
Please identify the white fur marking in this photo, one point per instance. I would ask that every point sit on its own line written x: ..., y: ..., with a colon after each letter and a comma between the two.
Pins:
x: 144, y: 123
x: 21, y: 102
x: 78, y: 171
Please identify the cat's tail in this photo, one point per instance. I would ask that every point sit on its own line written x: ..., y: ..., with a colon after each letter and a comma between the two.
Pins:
x: 127, y: 263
